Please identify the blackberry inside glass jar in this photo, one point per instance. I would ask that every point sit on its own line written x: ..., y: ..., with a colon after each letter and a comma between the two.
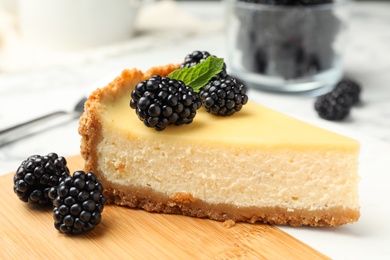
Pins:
x: 287, y: 45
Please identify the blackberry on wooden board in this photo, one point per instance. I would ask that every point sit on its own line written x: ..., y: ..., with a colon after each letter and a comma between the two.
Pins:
x: 37, y: 174
x: 78, y: 203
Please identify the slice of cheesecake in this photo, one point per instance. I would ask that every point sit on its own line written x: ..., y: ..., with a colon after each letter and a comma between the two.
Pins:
x: 257, y: 165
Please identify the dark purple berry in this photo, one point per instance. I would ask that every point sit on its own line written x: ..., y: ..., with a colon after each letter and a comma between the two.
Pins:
x: 78, y: 203
x: 348, y: 88
x: 161, y: 101
x: 223, y: 96
x: 330, y: 108
x: 336, y: 104
x: 197, y: 57
x: 36, y: 175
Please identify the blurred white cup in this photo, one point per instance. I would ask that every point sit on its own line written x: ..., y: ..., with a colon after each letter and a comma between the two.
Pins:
x: 9, y: 6
x: 76, y: 24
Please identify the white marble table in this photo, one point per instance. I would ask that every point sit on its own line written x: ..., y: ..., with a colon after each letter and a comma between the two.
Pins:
x: 29, y: 93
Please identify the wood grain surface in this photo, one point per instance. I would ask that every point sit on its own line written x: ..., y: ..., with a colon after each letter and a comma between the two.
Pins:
x: 27, y: 232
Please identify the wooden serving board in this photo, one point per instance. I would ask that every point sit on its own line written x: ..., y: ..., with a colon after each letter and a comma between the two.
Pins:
x: 28, y: 232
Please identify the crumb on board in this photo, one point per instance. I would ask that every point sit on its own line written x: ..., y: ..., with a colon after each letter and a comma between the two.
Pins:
x: 229, y: 223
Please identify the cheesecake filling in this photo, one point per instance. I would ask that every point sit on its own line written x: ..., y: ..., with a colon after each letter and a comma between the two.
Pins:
x: 251, y: 177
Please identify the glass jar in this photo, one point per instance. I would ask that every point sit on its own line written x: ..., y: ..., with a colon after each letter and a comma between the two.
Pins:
x: 287, y: 48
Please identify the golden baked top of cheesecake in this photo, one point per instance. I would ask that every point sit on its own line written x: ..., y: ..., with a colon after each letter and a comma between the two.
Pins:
x: 253, y: 124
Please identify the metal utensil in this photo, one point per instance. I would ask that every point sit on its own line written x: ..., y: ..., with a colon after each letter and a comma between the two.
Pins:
x: 24, y: 129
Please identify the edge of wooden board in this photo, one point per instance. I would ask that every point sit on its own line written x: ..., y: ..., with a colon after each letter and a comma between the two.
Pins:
x: 28, y: 231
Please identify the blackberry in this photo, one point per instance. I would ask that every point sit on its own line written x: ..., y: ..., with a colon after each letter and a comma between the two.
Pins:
x: 223, y: 96
x: 161, y: 101
x: 194, y: 58
x: 336, y: 104
x: 36, y: 175
x: 331, y: 107
x: 350, y: 89
x: 271, y: 43
x: 78, y: 203
x: 197, y: 57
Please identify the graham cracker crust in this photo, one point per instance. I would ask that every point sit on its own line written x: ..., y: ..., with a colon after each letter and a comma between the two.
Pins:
x: 185, y: 204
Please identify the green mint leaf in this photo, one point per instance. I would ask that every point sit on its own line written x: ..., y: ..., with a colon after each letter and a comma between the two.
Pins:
x: 199, y: 75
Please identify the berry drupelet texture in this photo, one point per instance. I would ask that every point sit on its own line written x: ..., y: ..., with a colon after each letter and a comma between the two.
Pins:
x: 37, y: 174
x: 332, y: 108
x: 197, y: 57
x: 194, y: 58
x: 161, y: 101
x: 223, y: 96
x: 350, y: 89
x: 271, y: 43
x: 78, y: 203
x: 336, y: 104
